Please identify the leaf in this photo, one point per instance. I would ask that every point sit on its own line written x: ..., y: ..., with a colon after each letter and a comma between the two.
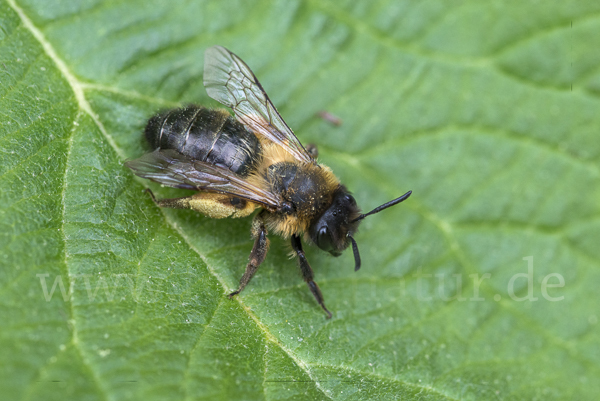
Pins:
x: 488, y: 112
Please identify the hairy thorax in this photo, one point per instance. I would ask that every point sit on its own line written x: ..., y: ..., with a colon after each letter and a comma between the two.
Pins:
x: 307, y: 191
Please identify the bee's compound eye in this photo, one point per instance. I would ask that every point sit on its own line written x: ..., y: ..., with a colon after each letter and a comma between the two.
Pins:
x: 324, y: 238
x: 351, y: 199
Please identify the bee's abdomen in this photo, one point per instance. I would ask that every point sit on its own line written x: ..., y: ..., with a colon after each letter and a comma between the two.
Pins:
x: 211, y: 136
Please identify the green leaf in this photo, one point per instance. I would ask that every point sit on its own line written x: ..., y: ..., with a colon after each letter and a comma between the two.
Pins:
x: 487, y: 111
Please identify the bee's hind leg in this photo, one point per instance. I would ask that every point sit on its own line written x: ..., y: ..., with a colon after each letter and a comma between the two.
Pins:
x: 149, y: 191
x: 174, y: 203
x: 216, y: 206
x: 307, y: 274
x: 258, y: 253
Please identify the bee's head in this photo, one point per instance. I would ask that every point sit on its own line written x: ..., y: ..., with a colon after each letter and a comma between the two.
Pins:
x: 330, y: 231
x: 334, y: 230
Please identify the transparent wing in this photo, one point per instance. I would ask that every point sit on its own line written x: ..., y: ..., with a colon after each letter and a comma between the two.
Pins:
x: 230, y: 81
x: 171, y: 168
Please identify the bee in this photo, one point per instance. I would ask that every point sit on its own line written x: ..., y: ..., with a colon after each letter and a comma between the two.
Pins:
x: 252, y: 161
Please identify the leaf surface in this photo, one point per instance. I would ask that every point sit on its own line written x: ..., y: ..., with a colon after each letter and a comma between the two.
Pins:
x: 489, y: 113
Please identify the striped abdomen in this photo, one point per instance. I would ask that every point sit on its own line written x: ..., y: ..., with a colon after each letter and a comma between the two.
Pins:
x: 212, y: 136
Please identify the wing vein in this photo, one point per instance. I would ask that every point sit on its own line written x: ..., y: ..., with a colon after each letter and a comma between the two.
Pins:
x: 231, y: 82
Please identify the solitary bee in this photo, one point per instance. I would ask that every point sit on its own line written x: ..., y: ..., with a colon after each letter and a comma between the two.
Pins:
x: 252, y: 161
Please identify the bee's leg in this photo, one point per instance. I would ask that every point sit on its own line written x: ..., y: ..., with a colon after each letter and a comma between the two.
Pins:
x: 148, y: 190
x: 259, y: 251
x: 216, y: 206
x: 312, y: 150
x: 307, y: 273
x: 174, y: 203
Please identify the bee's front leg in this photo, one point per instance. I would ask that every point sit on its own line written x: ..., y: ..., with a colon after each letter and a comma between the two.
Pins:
x: 307, y: 273
x: 259, y: 251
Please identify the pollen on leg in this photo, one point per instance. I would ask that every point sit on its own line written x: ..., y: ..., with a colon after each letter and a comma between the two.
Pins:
x: 219, y: 206
x: 210, y: 207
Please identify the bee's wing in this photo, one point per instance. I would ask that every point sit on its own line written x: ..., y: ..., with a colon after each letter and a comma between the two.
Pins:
x: 230, y: 81
x: 171, y: 168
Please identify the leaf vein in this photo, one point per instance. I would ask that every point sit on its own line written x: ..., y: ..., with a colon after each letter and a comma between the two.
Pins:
x: 198, y: 340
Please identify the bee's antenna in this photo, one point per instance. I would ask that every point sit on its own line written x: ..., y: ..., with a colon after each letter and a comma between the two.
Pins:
x: 377, y: 210
x: 356, y: 254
